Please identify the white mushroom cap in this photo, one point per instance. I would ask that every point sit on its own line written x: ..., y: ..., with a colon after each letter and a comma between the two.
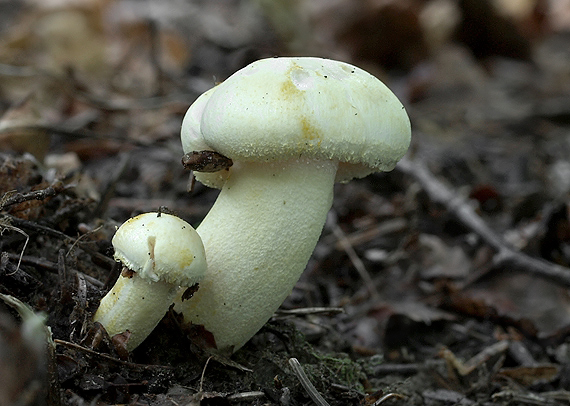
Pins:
x: 161, y: 247
x: 284, y: 108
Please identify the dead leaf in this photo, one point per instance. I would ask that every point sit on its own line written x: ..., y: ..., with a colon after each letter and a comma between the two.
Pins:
x: 16, y: 128
x: 532, y: 375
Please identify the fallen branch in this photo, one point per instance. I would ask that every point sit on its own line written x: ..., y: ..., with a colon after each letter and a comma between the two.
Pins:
x: 11, y: 198
x: 506, y: 256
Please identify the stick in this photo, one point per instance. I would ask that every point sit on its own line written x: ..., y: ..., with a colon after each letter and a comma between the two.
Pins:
x: 353, y: 256
x: 506, y: 255
x: 304, y: 379
x: 10, y: 198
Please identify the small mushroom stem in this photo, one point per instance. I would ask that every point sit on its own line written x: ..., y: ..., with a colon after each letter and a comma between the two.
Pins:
x: 160, y: 253
x: 258, y: 238
x: 136, y: 305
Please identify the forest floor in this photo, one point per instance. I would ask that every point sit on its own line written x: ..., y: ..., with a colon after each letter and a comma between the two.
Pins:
x: 443, y: 282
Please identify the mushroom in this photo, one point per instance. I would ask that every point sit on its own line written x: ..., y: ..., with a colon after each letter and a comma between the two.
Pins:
x: 291, y: 127
x: 160, y: 253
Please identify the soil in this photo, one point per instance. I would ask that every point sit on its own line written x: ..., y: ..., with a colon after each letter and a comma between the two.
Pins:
x: 443, y: 282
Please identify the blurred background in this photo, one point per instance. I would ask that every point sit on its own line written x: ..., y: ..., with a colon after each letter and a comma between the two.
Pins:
x: 92, y: 94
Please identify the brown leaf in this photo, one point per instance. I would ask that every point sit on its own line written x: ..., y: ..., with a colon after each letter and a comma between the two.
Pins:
x: 200, y: 336
x: 120, y: 343
x: 16, y: 131
x: 533, y: 374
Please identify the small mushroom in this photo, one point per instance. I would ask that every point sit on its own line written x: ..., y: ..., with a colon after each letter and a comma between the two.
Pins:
x: 160, y: 253
x: 291, y: 127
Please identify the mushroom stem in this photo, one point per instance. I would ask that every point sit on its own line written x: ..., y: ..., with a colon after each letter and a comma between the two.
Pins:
x: 160, y: 253
x: 258, y: 237
x: 136, y: 305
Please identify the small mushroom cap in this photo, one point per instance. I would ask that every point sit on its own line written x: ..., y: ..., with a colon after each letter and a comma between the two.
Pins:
x: 286, y: 108
x: 161, y: 247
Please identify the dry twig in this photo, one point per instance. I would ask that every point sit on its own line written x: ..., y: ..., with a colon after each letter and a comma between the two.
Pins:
x: 304, y: 379
x: 309, y: 311
x: 49, y: 266
x: 353, y: 256
x: 506, y: 256
x: 127, y: 364
x: 44, y: 230
x: 5, y: 225
x: 10, y: 198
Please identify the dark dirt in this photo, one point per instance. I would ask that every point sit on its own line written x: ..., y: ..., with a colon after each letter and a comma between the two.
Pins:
x: 443, y: 282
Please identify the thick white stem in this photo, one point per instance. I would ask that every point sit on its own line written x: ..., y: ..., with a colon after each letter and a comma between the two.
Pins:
x: 258, y: 237
x: 136, y: 305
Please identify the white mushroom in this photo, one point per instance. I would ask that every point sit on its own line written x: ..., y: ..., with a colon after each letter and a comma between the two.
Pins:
x: 160, y: 253
x: 292, y: 127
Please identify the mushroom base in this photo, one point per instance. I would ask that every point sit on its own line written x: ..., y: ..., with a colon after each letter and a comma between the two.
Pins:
x: 258, y: 237
x: 136, y: 305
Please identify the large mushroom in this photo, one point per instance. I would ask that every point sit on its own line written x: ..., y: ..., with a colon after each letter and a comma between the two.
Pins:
x: 160, y: 253
x: 291, y: 127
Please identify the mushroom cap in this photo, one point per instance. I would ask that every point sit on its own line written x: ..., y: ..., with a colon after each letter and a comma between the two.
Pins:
x: 161, y: 247
x: 287, y: 108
